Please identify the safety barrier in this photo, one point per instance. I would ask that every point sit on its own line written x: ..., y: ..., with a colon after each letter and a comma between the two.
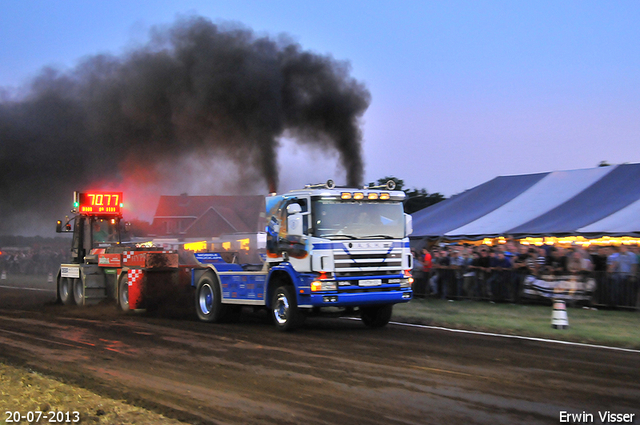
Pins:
x: 587, y: 288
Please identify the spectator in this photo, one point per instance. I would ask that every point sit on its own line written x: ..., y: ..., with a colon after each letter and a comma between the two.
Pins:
x: 445, y: 274
x: 532, y: 261
x: 465, y: 261
x: 435, y: 267
x: 419, y: 286
x: 521, y: 263
x: 471, y: 287
x: 577, y: 263
x: 458, y: 268
x: 541, y: 262
x: 510, y: 251
x: 427, y: 265
x: 623, y: 266
x: 599, y: 257
x: 484, y: 270
x: 500, y: 274
x: 556, y: 262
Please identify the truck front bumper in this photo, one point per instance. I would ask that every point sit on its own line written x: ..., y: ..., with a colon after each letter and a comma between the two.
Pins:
x: 337, y: 299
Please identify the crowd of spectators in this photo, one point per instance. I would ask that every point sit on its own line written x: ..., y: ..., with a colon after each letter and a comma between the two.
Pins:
x: 497, y: 273
x: 37, y: 261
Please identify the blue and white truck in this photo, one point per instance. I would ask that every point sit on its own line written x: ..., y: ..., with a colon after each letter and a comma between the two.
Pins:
x: 327, y: 248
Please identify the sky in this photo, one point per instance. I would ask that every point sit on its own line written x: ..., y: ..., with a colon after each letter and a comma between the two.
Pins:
x: 461, y: 91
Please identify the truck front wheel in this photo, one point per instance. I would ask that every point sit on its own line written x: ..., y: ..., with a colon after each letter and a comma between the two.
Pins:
x: 377, y: 316
x: 209, y: 306
x: 284, y: 307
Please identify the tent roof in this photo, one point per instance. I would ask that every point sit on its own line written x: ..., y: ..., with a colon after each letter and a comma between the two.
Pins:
x: 599, y: 200
x: 469, y: 206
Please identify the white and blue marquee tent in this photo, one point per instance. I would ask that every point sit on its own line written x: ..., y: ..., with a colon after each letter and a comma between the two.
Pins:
x: 591, y: 202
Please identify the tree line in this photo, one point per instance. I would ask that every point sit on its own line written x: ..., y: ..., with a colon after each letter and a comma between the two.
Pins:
x: 416, y: 199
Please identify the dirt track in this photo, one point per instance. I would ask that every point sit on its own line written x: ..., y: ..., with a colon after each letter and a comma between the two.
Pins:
x: 331, y: 371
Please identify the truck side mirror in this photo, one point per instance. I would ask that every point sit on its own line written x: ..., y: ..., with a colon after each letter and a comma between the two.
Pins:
x: 294, y: 220
x: 294, y: 209
x: 408, y: 224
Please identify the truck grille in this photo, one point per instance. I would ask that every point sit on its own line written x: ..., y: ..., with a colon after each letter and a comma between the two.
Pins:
x: 368, y: 263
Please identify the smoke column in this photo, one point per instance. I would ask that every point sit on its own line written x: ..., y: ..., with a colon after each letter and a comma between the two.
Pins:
x: 195, y: 88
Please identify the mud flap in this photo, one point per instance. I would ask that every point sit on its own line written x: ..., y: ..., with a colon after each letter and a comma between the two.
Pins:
x: 135, y: 279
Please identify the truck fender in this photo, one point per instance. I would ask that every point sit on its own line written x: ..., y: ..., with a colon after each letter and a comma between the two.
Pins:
x: 197, y: 273
x: 283, y: 274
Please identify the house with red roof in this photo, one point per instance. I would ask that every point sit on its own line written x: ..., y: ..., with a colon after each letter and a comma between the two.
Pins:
x: 204, y: 217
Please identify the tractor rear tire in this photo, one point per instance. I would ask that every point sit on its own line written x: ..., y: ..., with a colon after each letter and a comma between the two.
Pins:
x: 78, y: 291
x: 65, y: 291
x: 123, y: 293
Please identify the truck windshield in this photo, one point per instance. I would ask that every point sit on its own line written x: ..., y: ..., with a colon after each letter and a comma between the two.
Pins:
x: 358, y: 219
x: 104, y: 231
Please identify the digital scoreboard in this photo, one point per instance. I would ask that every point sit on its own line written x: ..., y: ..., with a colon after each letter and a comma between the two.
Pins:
x: 98, y: 202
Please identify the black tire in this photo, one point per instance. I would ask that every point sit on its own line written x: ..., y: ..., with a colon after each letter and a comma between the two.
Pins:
x: 209, y: 306
x: 376, y: 316
x: 284, y: 309
x: 65, y: 291
x: 78, y: 291
x: 123, y: 292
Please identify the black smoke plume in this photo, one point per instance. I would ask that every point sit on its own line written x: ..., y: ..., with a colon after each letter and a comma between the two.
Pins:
x: 194, y: 88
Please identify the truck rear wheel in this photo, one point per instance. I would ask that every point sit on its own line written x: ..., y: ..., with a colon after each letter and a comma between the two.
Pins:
x: 376, y: 316
x: 78, y: 291
x: 123, y: 292
x: 284, y: 308
x: 65, y: 291
x: 209, y: 306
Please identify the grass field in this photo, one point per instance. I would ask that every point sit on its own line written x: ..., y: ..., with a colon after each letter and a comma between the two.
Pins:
x: 604, y: 327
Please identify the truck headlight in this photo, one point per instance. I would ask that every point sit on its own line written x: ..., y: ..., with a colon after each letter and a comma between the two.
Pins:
x: 318, y: 285
x: 407, y: 275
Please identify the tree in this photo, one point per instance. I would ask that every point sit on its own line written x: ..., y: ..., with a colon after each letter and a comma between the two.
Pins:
x: 416, y: 199
x: 383, y: 181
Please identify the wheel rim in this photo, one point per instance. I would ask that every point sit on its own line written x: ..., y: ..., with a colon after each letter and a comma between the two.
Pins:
x: 281, y: 309
x: 206, y: 298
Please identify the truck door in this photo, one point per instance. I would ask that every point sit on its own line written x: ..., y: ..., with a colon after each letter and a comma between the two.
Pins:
x: 298, y: 247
